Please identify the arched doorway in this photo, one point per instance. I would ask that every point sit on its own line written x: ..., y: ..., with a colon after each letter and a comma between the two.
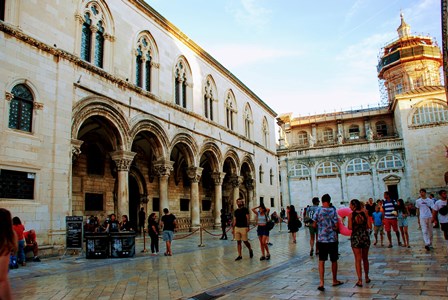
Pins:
x: 134, y: 200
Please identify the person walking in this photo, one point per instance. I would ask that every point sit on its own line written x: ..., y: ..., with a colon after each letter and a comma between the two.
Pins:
x: 390, y: 218
x: 8, y: 244
x: 370, y: 206
x: 403, y: 224
x: 241, y: 228
x: 293, y: 222
x: 313, y: 230
x: 326, y: 221
x: 141, y: 220
x: 262, y: 230
x: 378, y: 216
x: 153, y: 232
x: 223, y: 225
x: 19, y: 229
x: 424, y: 206
x: 441, y: 209
x: 359, y: 224
x: 169, y: 223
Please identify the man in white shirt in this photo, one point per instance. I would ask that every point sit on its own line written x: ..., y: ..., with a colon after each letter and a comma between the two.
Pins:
x: 440, y: 209
x: 424, y: 206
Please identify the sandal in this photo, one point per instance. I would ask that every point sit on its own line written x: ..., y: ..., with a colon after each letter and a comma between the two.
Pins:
x: 311, y: 252
x: 368, y: 280
x: 321, y: 288
x: 359, y: 284
x: 337, y: 283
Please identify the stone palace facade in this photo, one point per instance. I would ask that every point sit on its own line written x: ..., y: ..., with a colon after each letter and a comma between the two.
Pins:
x: 108, y: 107
x: 399, y: 148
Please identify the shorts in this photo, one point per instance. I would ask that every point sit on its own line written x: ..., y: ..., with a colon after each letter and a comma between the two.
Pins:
x: 390, y: 222
x: 378, y: 228
x: 312, y: 229
x: 326, y: 249
x: 262, y: 230
x: 241, y: 234
x: 403, y: 222
x: 167, y: 235
x: 444, y: 227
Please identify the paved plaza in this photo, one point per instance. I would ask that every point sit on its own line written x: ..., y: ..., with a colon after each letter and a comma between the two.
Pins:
x: 207, y: 272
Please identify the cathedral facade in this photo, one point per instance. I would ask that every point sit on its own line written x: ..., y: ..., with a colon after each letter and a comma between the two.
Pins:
x: 359, y: 154
x: 107, y: 107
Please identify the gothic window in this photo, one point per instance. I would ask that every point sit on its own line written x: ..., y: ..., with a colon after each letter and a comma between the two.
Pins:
x: 93, y: 33
x: 299, y: 170
x: 247, y: 121
x: 21, y: 109
x: 327, y: 168
x: 182, y: 75
x: 328, y: 135
x: 358, y: 165
x: 354, y: 132
x: 143, y: 61
x: 390, y: 162
x: 230, y: 110
x: 209, y: 98
x: 260, y: 173
x: 430, y: 113
x: 86, y: 38
x: 302, y: 137
x: 381, y: 129
x: 265, y: 132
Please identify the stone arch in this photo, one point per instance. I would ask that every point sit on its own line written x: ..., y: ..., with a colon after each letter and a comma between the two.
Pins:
x: 97, y: 106
x: 251, y: 166
x: 234, y: 159
x: 142, y: 123
x: 214, y: 155
x: 152, y: 43
x: 108, y: 19
x: 421, y: 103
x: 187, y: 145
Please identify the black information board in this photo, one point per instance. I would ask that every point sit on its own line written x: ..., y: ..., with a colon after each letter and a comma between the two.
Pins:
x: 74, y: 227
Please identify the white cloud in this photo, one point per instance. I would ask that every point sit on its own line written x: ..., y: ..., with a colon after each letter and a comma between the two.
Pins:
x: 249, y: 13
x: 237, y: 55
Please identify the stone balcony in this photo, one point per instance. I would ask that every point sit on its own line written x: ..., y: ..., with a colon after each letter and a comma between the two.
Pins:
x: 361, y: 146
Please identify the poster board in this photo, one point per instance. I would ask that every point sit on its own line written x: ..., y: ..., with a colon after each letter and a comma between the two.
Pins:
x: 74, y: 234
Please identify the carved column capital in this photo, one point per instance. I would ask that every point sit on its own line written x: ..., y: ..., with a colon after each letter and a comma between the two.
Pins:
x: 218, y: 177
x: 194, y: 173
x: 9, y: 96
x: 163, y: 167
x: 236, y: 180
x: 109, y: 37
x: 154, y: 65
x: 79, y: 18
x: 123, y: 159
x: 76, y: 149
x: 38, y: 105
x: 249, y: 183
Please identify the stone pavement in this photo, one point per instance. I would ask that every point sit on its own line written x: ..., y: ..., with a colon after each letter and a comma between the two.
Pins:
x: 207, y: 272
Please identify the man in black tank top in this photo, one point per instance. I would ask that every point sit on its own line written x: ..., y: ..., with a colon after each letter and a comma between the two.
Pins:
x: 241, y: 227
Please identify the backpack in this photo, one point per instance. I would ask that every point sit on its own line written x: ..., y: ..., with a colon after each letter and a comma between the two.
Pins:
x: 443, y: 210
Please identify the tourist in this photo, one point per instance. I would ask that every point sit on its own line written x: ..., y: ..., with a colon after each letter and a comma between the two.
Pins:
x: 153, y: 232
x: 370, y: 207
x: 31, y: 244
x: 169, y: 224
x: 125, y: 225
x: 359, y: 224
x: 8, y: 244
x: 19, y: 229
x: 390, y: 218
x: 141, y: 220
x: 441, y: 209
x: 424, y: 206
x: 112, y: 224
x: 313, y: 230
x: 378, y: 216
x: 241, y: 228
x: 262, y: 230
x: 326, y: 221
x: 402, y: 219
x: 223, y: 225
x: 293, y: 222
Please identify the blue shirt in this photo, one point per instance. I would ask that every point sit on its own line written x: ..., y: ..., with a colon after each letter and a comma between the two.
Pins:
x: 377, y: 218
x: 326, y: 218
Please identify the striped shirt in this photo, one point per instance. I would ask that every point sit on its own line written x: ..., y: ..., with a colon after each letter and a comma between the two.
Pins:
x: 389, y: 207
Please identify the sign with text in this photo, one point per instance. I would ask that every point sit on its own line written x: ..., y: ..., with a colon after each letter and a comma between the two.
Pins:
x: 74, y: 227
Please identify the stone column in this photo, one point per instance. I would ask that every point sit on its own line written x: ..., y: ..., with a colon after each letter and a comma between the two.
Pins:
x: 123, y: 160
x: 194, y: 174
x: 249, y: 183
x: 235, y: 181
x: 218, y: 178
x: 376, y: 194
x: 163, y: 169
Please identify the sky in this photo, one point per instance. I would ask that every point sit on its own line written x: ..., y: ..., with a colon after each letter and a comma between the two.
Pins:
x: 302, y: 57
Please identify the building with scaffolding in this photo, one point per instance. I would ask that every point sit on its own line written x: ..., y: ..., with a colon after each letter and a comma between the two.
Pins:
x: 398, y: 146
